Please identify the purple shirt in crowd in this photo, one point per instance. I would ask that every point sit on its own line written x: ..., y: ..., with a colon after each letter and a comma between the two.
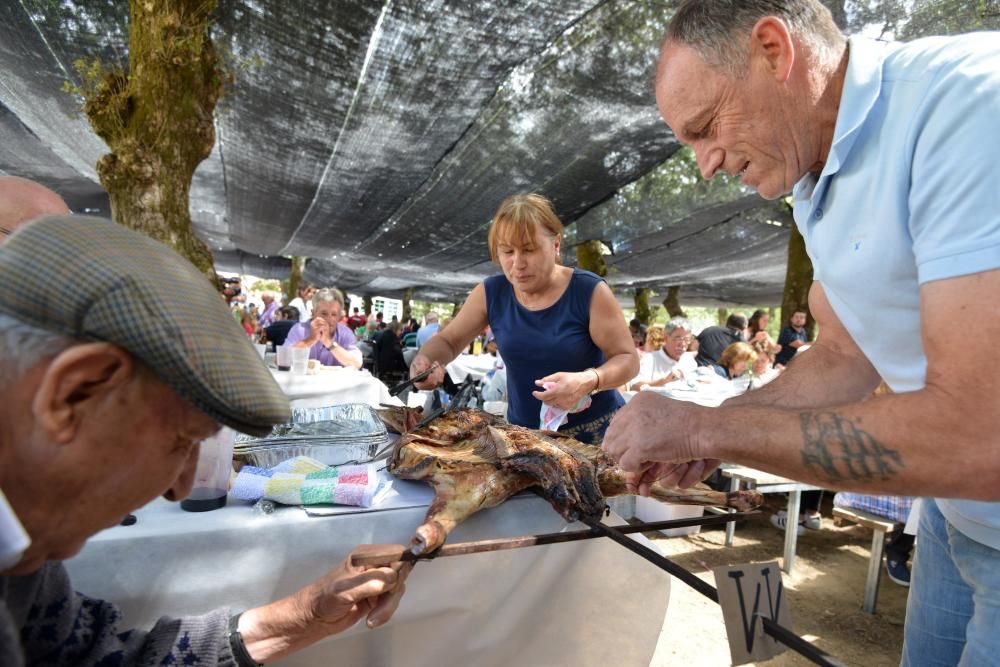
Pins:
x: 341, y: 334
x: 267, y: 317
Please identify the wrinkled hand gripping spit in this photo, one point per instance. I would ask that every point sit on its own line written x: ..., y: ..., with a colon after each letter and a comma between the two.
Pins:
x: 474, y: 460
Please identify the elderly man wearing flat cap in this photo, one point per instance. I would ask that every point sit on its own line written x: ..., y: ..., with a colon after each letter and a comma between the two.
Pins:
x: 106, y: 392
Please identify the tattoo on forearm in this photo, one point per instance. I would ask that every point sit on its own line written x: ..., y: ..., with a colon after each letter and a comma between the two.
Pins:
x: 838, y: 448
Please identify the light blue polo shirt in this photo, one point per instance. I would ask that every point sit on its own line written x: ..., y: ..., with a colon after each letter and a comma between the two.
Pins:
x: 910, y: 193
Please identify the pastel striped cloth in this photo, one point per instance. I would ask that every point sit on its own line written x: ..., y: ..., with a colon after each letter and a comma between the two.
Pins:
x: 306, y: 481
x: 896, y: 508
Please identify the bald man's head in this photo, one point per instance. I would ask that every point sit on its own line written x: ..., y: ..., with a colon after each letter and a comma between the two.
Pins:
x: 22, y: 200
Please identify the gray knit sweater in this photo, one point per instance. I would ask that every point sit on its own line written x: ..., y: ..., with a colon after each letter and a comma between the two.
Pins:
x: 44, y: 622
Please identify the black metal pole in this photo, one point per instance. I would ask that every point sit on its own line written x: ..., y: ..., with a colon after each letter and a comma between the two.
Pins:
x: 779, y: 632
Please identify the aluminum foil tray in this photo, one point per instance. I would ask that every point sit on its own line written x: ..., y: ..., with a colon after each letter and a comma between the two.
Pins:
x: 334, y: 435
x: 331, y: 455
x: 350, y: 420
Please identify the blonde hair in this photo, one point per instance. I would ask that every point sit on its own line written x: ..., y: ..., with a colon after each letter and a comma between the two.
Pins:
x: 736, y: 353
x: 762, y: 347
x: 519, y: 219
x: 654, y: 338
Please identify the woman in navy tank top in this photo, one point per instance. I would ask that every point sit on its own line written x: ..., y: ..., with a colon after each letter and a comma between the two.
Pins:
x: 553, y: 325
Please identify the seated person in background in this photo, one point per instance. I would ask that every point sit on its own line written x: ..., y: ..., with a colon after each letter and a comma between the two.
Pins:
x: 654, y: 339
x: 638, y: 331
x: 431, y: 327
x: 328, y: 339
x: 389, y: 364
x: 713, y: 340
x: 763, y: 370
x: 25, y: 200
x: 304, y: 302
x: 671, y: 361
x: 269, y: 315
x: 490, y: 346
x: 757, y: 330
x: 410, y: 339
x: 356, y: 320
x: 809, y: 516
x: 792, y: 337
x: 735, y: 361
x: 248, y: 321
x: 102, y: 411
x: 287, y: 317
x: 899, y: 544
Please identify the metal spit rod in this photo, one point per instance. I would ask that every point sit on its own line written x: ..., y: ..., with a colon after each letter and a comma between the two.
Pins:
x: 779, y: 632
x: 396, y: 554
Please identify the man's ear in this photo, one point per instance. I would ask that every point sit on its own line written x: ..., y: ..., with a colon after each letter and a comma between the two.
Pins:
x: 771, y: 44
x: 72, y: 381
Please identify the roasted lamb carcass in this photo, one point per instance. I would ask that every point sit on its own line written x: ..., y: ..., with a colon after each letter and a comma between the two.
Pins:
x: 475, y: 461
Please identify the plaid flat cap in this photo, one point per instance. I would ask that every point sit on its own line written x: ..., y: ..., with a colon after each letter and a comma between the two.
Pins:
x: 94, y: 280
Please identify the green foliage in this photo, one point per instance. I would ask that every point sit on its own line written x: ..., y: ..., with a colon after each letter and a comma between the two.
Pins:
x: 266, y: 286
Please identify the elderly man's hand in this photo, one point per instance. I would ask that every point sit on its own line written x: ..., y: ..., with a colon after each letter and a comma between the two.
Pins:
x: 651, y: 438
x: 350, y: 592
x: 320, y: 330
x: 329, y: 605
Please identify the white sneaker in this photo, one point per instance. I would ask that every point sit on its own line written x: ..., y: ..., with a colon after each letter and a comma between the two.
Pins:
x: 780, y: 521
x: 813, y: 522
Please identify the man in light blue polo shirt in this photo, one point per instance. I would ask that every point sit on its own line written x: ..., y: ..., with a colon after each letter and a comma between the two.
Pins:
x: 892, y: 152
x: 430, y: 328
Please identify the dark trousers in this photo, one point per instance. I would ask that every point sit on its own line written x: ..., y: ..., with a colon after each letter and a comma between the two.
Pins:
x: 899, y: 546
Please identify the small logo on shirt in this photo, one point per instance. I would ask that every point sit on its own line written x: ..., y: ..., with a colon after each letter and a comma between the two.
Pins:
x: 856, y: 242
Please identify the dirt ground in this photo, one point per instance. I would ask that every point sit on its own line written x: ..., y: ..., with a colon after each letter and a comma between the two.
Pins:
x: 825, y: 589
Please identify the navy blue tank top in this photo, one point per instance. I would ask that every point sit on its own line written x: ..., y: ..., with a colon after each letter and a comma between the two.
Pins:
x: 537, y: 343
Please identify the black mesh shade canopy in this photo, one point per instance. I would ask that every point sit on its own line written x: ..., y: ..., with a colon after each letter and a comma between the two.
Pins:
x: 378, y: 138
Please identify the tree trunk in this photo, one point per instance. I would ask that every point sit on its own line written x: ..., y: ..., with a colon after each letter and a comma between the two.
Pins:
x: 590, y: 258
x: 294, y: 279
x: 157, y: 120
x: 642, y: 310
x: 839, y: 13
x: 407, y: 296
x: 455, y: 307
x: 722, y: 314
x: 367, y: 300
x: 798, y: 280
x: 673, y: 302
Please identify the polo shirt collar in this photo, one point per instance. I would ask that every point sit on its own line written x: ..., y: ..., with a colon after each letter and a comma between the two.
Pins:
x: 14, y: 539
x: 862, y: 87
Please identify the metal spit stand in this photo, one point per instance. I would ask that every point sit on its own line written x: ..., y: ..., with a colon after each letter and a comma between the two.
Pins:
x: 617, y: 534
x: 778, y: 632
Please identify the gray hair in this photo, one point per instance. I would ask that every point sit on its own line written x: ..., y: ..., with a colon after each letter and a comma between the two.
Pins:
x: 676, y: 323
x: 718, y: 30
x: 328, y: 295
x: 24, y: 345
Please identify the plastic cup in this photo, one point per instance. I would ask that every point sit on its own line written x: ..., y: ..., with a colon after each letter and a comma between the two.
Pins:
x: 211, y: 477
x: 300, y: 360
x: 261, y: 349
x: 284, y: 357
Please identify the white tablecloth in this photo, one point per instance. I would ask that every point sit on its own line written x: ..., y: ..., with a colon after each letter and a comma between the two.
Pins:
x: 707, y: 388
x: 466, y: 365
x: 582, y: 603
x: 333, y: 387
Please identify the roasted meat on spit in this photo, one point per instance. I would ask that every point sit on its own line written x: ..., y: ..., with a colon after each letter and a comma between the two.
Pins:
x: 474, y: 460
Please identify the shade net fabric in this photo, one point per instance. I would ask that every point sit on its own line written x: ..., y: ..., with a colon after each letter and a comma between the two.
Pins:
x: 378, y: 138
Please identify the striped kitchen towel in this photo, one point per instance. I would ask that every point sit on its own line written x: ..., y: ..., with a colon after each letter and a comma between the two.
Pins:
x: 306, y: 481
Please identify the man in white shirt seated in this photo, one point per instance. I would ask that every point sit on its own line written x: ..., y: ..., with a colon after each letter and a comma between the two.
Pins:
x: 669, y: 363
